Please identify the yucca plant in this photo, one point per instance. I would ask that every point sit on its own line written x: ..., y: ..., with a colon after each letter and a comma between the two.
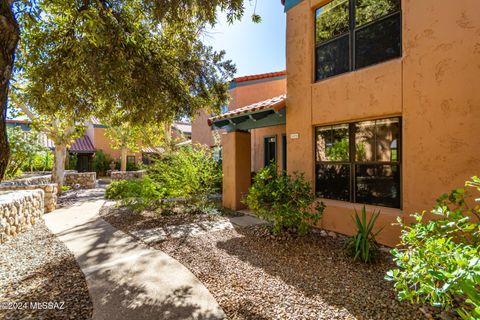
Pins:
x: 363, y: 246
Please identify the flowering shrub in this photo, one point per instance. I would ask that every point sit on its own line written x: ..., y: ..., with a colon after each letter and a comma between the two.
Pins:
x: 283, y: 200
x: 439, y: 262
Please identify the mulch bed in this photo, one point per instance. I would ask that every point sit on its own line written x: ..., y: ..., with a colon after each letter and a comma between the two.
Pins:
x: 36, y: 268
x: 254, y: 275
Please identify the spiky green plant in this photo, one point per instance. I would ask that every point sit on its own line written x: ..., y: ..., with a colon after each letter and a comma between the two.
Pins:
x: 363, y: 246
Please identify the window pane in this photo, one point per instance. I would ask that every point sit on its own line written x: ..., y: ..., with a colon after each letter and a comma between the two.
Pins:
x: 333, y: 181
x: 333, y: 58
x: 365, y: 141
x: 370, y: 10
x: 387, y: 140
x: 378, y: 42
x: 331, y: 20
x: 378, y: 185
x: 333, y: 143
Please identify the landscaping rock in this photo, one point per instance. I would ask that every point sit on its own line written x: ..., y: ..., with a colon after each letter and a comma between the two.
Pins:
x: 37, y: 268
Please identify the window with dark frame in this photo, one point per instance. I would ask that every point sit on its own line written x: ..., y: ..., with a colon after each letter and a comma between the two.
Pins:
x: 360, y: 162
x: 352, y: 34
x: 131, y: 159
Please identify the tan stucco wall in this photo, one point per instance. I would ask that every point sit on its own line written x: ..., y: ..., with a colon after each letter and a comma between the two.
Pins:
x: 201, y: 131
x: 435, y: 87
x: 246, y: 93
x: 236, y: 165
x: 258, y: 147
x: 101, y: 142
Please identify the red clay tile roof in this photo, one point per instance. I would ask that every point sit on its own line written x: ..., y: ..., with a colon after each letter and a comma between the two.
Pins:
x: 260, y: 76
x: 276, y: 103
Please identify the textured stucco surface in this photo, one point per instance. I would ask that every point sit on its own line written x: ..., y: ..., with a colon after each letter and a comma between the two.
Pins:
x: 434, y: 87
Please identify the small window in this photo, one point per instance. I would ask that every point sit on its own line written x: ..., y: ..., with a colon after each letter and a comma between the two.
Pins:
x: 360, y: 162
x: 131, y: 159
x: 270, y: 150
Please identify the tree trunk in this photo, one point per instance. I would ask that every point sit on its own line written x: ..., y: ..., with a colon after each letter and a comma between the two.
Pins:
x: 123, y: 159
x: 58, y: 172
x: 9, y: 36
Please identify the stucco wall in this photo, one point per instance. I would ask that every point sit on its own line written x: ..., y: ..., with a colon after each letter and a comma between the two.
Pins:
x: 434, y: 87
x: 246, y: 93
x: 258, y: 145
x: 103, y: 143
x: 201, y: 131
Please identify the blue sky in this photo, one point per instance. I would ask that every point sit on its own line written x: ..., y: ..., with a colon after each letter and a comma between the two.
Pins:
x: 254, y: 48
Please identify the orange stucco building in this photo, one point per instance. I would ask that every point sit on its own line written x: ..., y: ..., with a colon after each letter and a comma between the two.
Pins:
x: 381, y: 109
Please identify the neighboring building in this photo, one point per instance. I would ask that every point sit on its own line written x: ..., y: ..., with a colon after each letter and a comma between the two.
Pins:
x: 95, y: 139
x: 382, y: 108
x: 247, y: 91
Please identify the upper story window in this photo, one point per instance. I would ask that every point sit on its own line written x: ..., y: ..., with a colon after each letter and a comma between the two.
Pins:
x: 352, y: 34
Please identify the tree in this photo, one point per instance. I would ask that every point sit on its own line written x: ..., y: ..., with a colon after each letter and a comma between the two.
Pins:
x: 127, y: 137
x: 24, y: 147
x: 85, y: 55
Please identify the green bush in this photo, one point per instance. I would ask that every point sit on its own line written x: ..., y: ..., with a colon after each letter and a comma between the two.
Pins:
x: 283, y: 200
x: 101, y: 163
x: 363, y: 245
x: 188, y: 173
x: 137, y: 194
x: 439, y: 262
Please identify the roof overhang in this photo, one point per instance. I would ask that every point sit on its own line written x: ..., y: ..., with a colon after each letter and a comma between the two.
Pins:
x: 271, y: 112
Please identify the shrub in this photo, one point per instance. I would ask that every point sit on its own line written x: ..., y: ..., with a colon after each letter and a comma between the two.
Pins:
x: 439, y: 262
x: 363, y: 245
x: 283, y: 200
x: 101, y: 163
x: 137, y: 194
x: 188, y: 173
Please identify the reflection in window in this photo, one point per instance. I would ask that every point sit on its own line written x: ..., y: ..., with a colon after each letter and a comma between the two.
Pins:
x: 372, y: 174
x: 331, y: 20
x: 369, y: 10
x: 333, y: 181
x: 332, y: 143
x: 378, y: 185
x: 352, y: 34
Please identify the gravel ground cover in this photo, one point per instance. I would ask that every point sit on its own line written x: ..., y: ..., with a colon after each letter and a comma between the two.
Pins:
x: 36, y: 269
x: 124, y: 219
x: 254, y: 275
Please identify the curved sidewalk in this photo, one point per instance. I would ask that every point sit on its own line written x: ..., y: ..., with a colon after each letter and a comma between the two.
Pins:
x: 126, y: 279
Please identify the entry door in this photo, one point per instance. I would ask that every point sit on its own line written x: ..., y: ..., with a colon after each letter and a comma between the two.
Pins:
x: 270, y: 150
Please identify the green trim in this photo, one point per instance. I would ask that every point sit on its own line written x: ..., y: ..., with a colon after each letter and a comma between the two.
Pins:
x: 271, y: 119
x: 100, y: 126
x: 289, y: 4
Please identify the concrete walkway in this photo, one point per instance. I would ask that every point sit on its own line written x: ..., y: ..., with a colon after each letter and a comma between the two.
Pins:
x: 128, y: 280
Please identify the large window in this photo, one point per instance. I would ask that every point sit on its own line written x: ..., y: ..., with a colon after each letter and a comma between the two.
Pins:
x: 360, y: 162
x: 352, y: 34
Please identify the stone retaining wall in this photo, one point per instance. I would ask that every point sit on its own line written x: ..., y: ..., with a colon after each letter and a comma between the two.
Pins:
x: 84, y: 180
x: 18, y: 211
x: 127, y: 175
x: 46, y: 179
x: 49, y: 190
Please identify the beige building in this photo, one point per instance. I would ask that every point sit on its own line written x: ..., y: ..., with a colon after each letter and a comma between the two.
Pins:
x: 382, y: 107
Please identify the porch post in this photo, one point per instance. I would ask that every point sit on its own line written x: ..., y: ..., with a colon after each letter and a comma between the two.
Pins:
x: 236, y: 168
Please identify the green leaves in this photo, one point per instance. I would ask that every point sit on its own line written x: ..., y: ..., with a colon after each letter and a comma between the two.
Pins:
x: 285, y: 201
x: 439, y: 260
x: 363, y: 246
